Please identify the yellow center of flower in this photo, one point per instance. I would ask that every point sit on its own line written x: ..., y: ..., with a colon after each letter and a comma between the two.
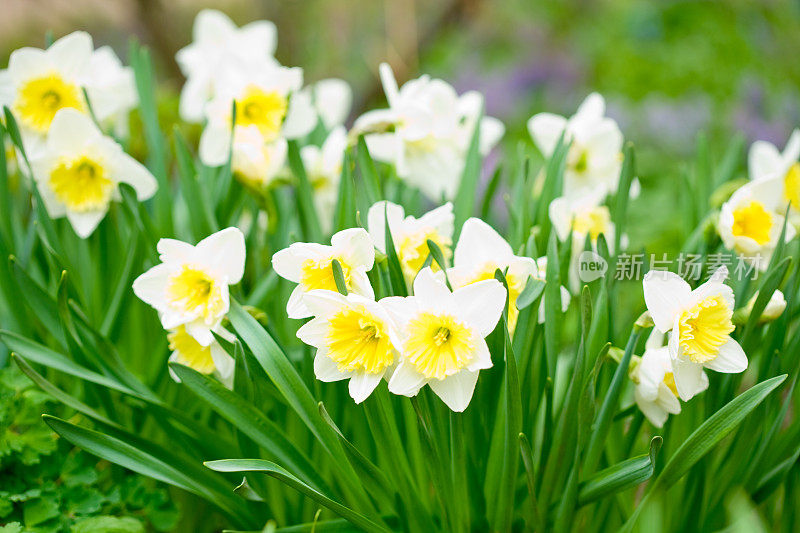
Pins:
x: 357, y: 340
x: 39, y: 99
x: 791, y: 186
x: 193, y: 290
x: 438, y: 345
x: 265, y: 110
x: 413, y: 250
x: 593, y: 222
x: 319, y: 274
x: 703, y: 328
x: 81, y: 184
x: 189, y: 352
x: 669, y: 381
x: 752, y: 221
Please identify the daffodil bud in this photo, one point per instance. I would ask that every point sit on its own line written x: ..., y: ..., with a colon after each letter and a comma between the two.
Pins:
x: 774, y: 308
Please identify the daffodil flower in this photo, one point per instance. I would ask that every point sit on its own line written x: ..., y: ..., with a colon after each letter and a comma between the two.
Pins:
x: 431, y: 130
x: 480, y: 252
x: 189, y: 288
x: 79, y: 169
x: 410, y: 235
x: 217, y: 44
x: 323, y: 166
x: 333, y: 99
x: 774, y: 308
x: 39, y: 83
x: 655, y: 391
x: 310, y: 266
x: 594, y: 159
x: 765, y: 162
x: 442, y: 337
x: 750, y: 222
x: 700, y: 324
x: 210, y: 359
x: 267, y: 104
x: 355, y: 339
x: 254, y: 162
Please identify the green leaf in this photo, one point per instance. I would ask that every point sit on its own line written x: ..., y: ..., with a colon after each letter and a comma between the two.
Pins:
x: 273, y: 470
x: 533, y: 289
x: 396, y: 276
x: 338, y: 277
x: 627, y: 174
x: 704, y: 438
x: 464, y: 203
x: 620, y: 476
x: 367, y: 171
x: 128, y: 456
x: 309, y: 220
x: 252, y: 422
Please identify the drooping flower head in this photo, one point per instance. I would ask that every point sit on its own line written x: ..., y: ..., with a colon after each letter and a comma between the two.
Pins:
x: 655, y: 391
x: 310, y: 266
x: 355, y: 339
x: 211, y: 359
x: 750, y: 222
x: 219, y: 44
x: 79, y: 169
x: 189, y: 287
x: 594, y: 159
x: 480, y: 252
x: 700, y: 324
x: 410, y: 235
x: 431, y: 128
x: 442, y: 337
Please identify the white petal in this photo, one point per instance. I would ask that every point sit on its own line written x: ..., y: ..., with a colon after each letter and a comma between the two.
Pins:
x: 652, y: 410
x: 665, y: 293
x: 296, y: 307
x: 224, y: 251
x: 222, y: 361
x: 215, y: 144
x: 546, y: 130
x: 301, y: 118
x: 688, y: 378
x: 384, y: 147
x: 333, y: 98
x: 406, y: 381
x: 289, y: 264
x: 70, y: 132
x: 400, y: 309
x: 325, y: 368
x: 85, y: 223
x: 429, y: 289
x: 481, y: 304
x: 314, y: 332
x: 356, y: 247
x: 360, y: 284
x: 174, y: 250
x: 764, y: 160
x: 137, y: 175
x: 492, y: 131
x: 362, y: 384
x: 151, y: 286
x: 323, y: 303
x: 71, y: 53
x: 456, y: 390
x: 791, y: 151
x: 377, y: 215
x: 667, y: 400
x: 389, y: 83
x: 731, y: 358
x: 479, y: 243
x: 653, y: 367
x: 593, y: 107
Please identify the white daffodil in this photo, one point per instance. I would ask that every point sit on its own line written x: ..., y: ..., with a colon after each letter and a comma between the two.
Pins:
x: 255, y: 162
x: 541, y: 275
x: 655, y: 392
x: 78, y: 171
x: 582, y: 216
x: 267, y: 103
x: 211, y: 359
x: 765, y: 162
x: 39, y: 83
x: 410, y: 235
x: 480, y: 252
x: 324, y: 169
x: 310, y: 266
x: 111, y: 90
x: 700, y: 324
x: 431, y: 130
x: 750, y: 222
x: 219, y: 44
x: 355, y: 339
x: 442, y: 337
x: 189, y: 287
x: 594, y: 159
x: 333, y: 99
